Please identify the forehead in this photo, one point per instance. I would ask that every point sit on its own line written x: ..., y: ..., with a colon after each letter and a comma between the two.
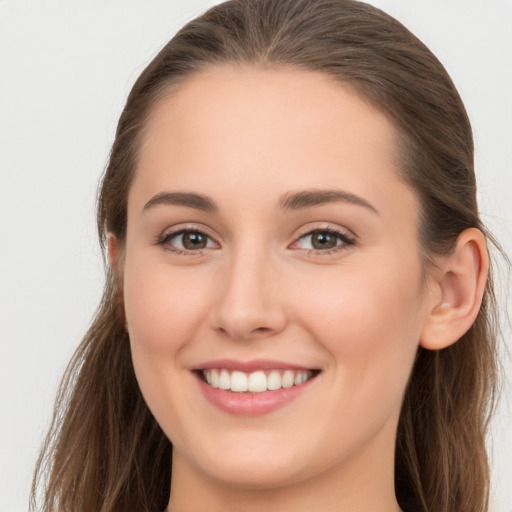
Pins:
x: 227, y: 103
x: 241, y: 128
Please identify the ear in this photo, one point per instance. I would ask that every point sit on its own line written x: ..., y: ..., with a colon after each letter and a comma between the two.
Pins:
x: 456, y: 291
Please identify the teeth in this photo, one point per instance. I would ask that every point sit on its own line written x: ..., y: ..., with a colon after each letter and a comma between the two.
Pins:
x: 255, y: 382
x: 288, y: 379
x: 214, y: 378
x: 300, y: 377
x: 274, y: 380
x: 239, y: 382
x: 224, y: 380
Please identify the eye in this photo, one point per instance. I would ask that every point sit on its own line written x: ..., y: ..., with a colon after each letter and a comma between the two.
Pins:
x: 324, y: 240
x: 186, y: 241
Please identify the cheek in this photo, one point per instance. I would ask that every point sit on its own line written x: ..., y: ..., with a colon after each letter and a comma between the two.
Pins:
x: 163, y: 312
x: 163, y: 308
x: 368, y: 319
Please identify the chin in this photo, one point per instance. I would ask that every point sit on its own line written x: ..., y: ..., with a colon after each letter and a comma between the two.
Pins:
x: 260, y: 463
x: 255, y: 473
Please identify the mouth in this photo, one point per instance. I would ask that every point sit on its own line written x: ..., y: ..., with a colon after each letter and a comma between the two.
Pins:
x: 258, y: 381
x: 253, y: 388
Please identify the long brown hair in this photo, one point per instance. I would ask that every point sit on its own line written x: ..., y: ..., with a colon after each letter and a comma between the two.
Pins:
x: 105, y: 451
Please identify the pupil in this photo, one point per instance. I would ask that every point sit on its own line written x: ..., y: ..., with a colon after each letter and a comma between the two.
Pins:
x: 193, y: 240
x: 323, y: 240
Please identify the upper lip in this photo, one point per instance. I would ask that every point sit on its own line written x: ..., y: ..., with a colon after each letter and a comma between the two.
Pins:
x: 249, y: 366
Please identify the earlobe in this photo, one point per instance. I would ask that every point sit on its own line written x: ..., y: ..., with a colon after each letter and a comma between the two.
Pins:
x: 457, y: 291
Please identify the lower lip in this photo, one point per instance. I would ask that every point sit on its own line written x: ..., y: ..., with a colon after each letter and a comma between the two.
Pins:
x: 251, y: 404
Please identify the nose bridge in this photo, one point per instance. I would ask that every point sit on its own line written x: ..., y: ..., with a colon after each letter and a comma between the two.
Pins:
x: 247, y: 303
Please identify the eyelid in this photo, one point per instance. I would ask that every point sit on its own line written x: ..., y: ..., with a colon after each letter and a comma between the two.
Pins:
x: 347, y: 237
x: 324, y: 226
x: 174, y: 231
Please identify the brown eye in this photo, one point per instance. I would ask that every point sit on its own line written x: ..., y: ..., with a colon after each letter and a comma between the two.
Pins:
x: 323, y: 240
x: 194, y: 240
x: 186, y: 241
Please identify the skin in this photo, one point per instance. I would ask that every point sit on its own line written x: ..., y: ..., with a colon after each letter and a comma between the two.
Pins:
x: 247, y: 138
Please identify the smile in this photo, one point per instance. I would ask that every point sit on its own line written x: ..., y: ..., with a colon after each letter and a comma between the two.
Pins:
x: 253, y: 388
x: 258, y: 381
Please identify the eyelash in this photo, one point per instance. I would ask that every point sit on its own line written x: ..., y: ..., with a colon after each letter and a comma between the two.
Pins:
x: 164, y: 240
x: 346, y: 241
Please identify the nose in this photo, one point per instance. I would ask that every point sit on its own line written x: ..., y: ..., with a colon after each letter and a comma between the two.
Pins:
x: 248, y: 302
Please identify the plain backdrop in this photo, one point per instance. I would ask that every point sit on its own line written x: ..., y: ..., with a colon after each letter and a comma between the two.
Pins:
x: 65, y: 70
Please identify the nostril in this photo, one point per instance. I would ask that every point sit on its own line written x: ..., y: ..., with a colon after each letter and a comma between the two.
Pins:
x: 250, y: 333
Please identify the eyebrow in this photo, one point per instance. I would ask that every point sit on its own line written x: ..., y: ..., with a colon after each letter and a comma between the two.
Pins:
x: 290, y: 201
x: 188, y: 199
x: 310, y: 198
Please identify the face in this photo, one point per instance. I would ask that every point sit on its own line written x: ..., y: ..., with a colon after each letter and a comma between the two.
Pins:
x: 272, y: 277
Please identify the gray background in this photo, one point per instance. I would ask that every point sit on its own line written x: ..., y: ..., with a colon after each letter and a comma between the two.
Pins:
x: 66, y: 67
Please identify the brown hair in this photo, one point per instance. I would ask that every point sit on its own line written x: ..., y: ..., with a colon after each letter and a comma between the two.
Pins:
x: 105, y: 451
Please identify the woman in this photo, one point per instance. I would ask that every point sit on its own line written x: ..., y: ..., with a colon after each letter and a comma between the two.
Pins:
x: 298, y: 295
